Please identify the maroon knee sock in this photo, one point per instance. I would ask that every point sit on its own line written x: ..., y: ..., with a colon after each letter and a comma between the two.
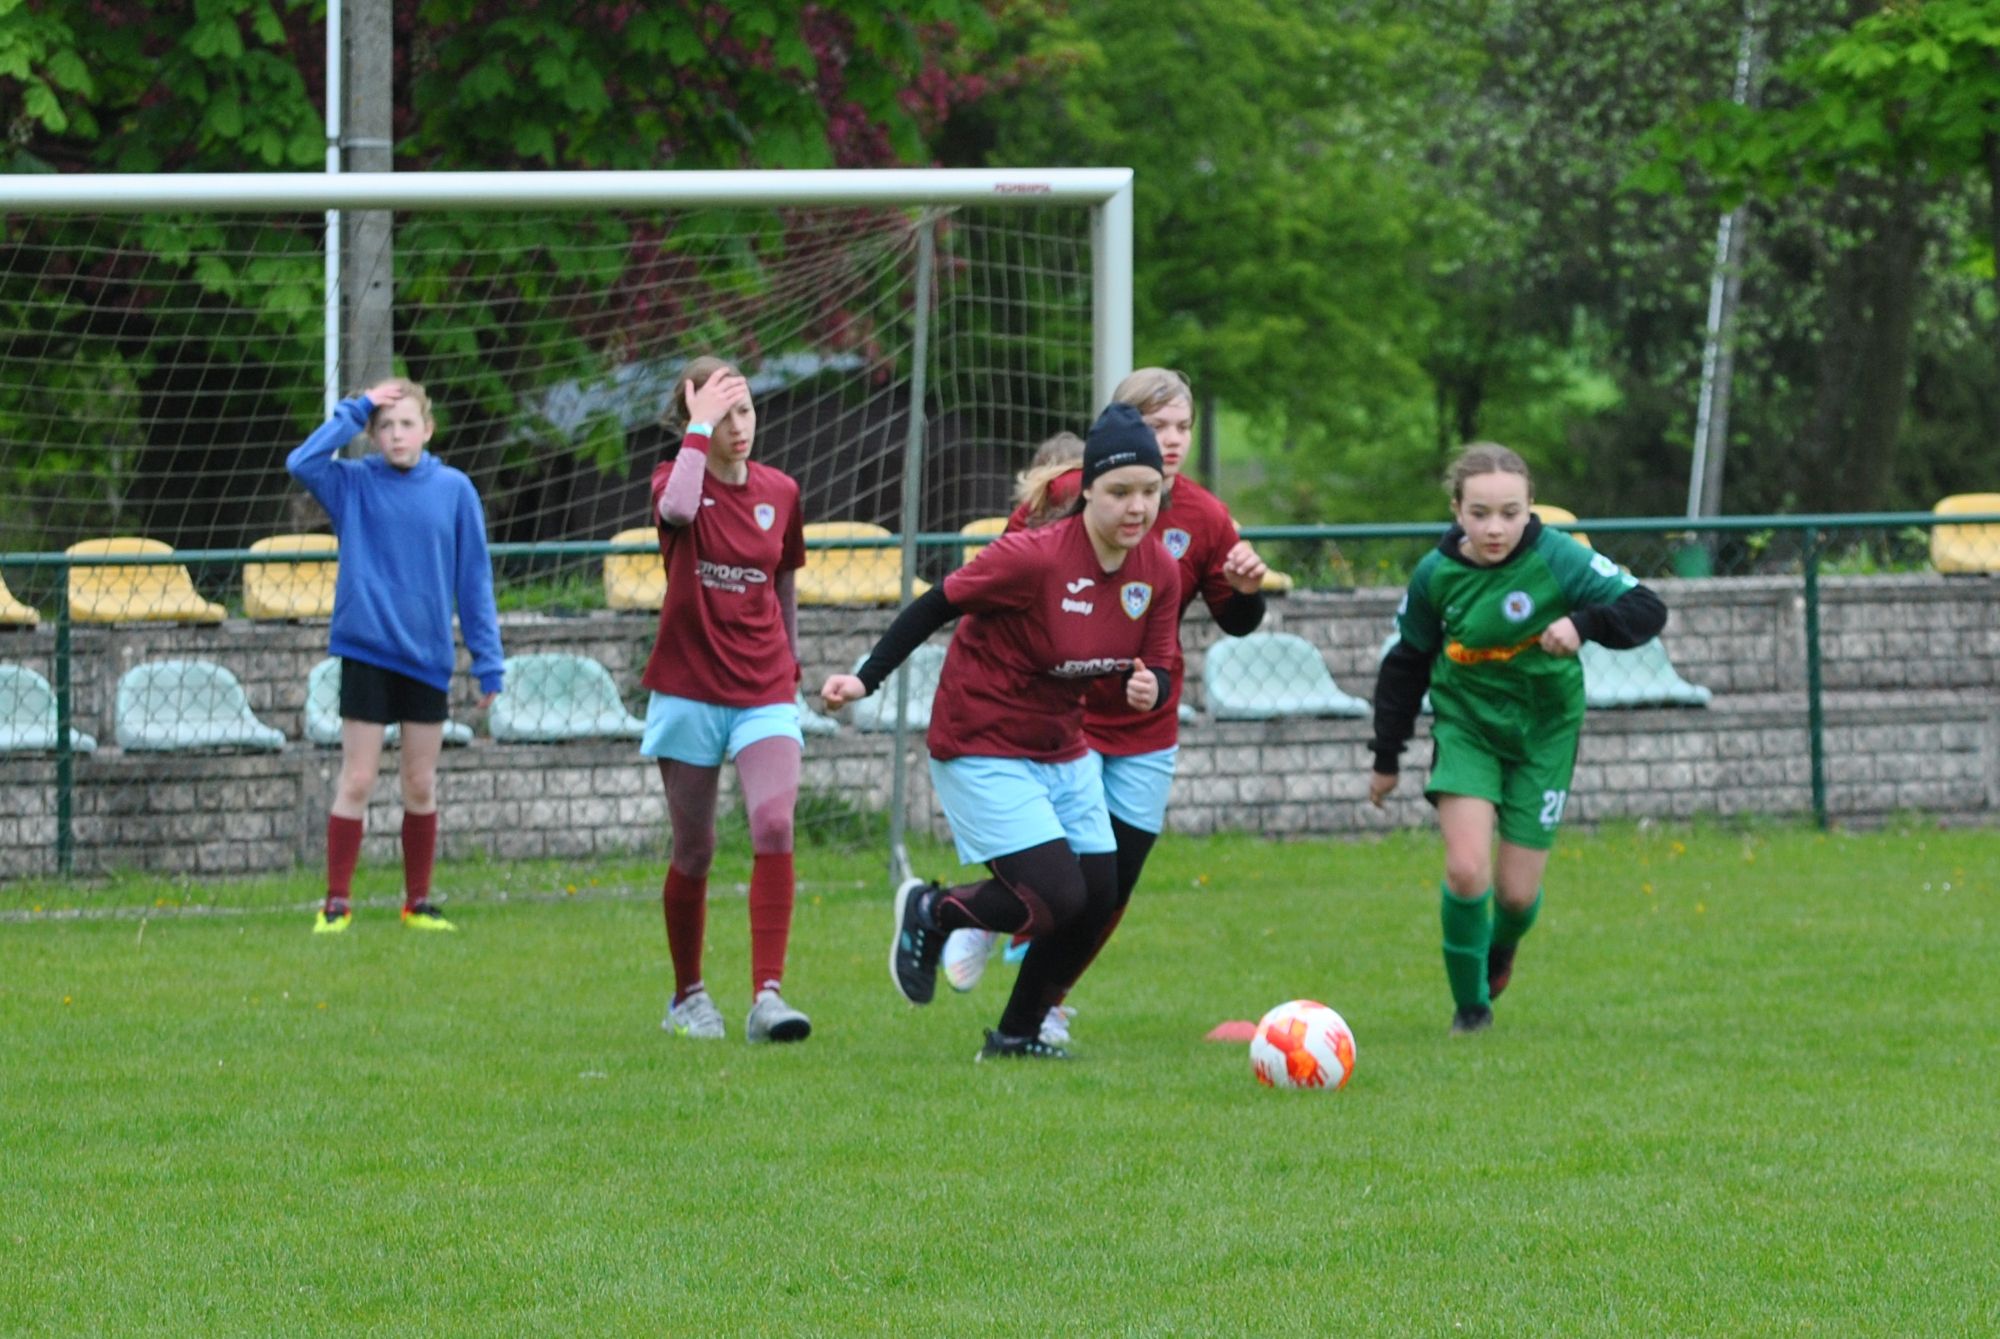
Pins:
x: 684, y: 899
x: 419, y: 853
x: 771, y: 885
x: 343, y: 850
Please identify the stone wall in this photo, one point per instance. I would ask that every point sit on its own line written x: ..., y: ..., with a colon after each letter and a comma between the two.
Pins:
x: 1911, y: 664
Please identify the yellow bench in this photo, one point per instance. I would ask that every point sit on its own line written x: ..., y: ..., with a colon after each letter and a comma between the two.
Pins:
x: 985, y: 530
x: 13, y: 613
x: 291, y: 590
x: 635, y: 580
x: 162, y: 593
x: 1552, y: 514
x: 852, y: 576
x: 1966, y: 548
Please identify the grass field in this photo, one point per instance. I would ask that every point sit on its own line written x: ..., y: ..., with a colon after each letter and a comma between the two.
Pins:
x: 1744, y: 1083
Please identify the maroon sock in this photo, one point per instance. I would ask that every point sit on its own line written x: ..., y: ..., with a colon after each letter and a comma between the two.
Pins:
x: 771, y: 885
x: 685, y: 901
x: 420, y: 832
x: 343, y: 849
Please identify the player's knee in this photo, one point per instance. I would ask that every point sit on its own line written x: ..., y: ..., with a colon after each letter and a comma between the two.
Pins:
x: 420, y: 792
x: 353, y: 788
x: 1467, y: 875
x: 771, y: 828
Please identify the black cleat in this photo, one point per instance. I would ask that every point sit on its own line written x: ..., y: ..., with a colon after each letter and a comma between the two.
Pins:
x: 1499, y: 968
x: 1000, y: 1046
x: 914, y: 953
x: 1472, y: 1018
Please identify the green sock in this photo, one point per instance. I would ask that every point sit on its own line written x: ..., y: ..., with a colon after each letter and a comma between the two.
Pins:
x: 1510, y: 925
x: 1468, y: 929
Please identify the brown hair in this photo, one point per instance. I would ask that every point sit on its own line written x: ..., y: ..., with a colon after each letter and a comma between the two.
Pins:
x: 413, y: 392
x: 1484, y: 458
x: 674, y: 418
x: 1149, y: 388
x: 1054, y: 458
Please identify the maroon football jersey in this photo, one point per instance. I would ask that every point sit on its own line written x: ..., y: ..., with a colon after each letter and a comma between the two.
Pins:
x: 1043, y: 619
x: 1197, y: 530
x: 722, y: 638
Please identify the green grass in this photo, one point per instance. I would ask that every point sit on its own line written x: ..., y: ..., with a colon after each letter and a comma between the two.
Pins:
x: 1743, y: 1084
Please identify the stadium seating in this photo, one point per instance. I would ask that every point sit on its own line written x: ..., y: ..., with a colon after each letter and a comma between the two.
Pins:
x: 852, y: 576
x: 28, y: 714
x: 290, y: 590
x: 323, y: 711
x: 984, y: 530
x: 1639, y: 677
x: 1966, y: 548
x: 876, y: 713
x: 553, y: 697
x: 151, y: 594
x: 187, y: 704
x: 14, y: 614
x: 1267, y: 675
x: 812, y: 722
x: 635, y: 580
x: 1554, y: 515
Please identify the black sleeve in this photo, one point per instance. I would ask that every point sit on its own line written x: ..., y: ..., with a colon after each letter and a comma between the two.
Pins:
x: 1633, y: 619
x: 1241, y: 614
x: 919, y: 619
x: 1399, y: 694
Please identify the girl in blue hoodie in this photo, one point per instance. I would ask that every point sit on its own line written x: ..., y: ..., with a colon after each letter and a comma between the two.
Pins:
x: 412, y: 548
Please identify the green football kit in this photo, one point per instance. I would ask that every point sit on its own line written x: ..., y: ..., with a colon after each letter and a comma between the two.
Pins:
x: 1507, y: 713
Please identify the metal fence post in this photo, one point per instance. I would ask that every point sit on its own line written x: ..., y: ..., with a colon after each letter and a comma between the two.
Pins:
x: 1815, y: 714
x: 65, y: 754
x: 913, y: 511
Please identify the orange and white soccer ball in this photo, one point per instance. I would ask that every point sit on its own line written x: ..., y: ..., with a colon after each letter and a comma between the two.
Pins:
x: 1302, y: 1044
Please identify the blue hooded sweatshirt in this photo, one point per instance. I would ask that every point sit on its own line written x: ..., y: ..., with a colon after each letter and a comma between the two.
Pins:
x: 412, y: 543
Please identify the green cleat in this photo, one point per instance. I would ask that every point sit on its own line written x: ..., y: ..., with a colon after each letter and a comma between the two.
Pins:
x: 424, y: 916
x: 329, y: 923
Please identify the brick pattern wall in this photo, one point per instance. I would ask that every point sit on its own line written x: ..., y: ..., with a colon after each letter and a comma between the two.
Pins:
x: 1910, y: 663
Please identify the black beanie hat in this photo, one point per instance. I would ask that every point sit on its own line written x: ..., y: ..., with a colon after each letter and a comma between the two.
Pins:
x: 1119, y: 438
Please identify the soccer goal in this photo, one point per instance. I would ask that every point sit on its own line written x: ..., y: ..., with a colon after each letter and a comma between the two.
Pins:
x: 910, y: 336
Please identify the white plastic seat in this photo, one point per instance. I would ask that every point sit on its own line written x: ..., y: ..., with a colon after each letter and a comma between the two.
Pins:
x: 1639, y: 677
x: 166, y: 705
x: 876, y: 713
x: 28, y: 714
x: 553, y: 697
x: 812, y: 722
x: 1269, y: 675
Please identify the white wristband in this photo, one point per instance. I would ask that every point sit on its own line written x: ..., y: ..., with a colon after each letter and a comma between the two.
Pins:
x: 700, y: 430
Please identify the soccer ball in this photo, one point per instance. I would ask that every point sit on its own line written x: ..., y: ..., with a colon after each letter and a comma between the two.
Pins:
x: 1302, y: 1044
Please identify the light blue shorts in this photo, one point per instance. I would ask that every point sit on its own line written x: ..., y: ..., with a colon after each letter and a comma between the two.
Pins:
x: 997, y: 806
x: 703, y: 734
x: 1136, y: 786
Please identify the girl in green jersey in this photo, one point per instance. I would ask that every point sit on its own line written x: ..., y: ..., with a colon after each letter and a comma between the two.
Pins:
x: 1491, y: 626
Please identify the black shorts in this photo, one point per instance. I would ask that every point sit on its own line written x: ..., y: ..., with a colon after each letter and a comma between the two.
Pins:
x: 384, y: 697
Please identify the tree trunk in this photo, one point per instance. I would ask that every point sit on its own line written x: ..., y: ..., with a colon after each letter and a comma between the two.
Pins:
x: 1862, y: 383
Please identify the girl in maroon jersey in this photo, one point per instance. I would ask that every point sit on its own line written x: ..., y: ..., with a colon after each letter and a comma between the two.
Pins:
x: 1135, y: 750
x: 724, y: 678
x: 1047, y: 611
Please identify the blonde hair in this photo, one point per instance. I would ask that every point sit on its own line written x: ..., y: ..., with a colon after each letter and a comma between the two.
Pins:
x: 1484, y: 458
x: 674, y: 418
x: 1151, y: 388
x: 1053, y: 458
x: 415, y: 393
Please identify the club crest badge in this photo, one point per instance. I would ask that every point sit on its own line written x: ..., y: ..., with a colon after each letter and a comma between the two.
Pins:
x: 766, y: 514
x: 1136, y: 597
x: 1517, y: 606
x: 1177, y: 541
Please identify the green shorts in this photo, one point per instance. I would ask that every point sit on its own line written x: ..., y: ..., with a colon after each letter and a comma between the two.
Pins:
x: 1529, y: 793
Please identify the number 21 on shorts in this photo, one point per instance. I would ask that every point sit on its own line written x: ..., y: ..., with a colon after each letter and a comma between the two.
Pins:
x: 1552, y: 807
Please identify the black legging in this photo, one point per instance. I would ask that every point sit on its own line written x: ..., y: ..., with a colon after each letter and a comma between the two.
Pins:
x: 1066, y: 901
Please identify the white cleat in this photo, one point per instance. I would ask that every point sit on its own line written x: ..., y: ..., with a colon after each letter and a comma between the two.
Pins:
x: 1055, y: 1027
x: 695, y: 1017
x: 771, y: 1019
x: 965, y: 955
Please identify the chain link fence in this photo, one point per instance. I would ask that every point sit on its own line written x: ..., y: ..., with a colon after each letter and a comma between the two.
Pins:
x: 164, y: 709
